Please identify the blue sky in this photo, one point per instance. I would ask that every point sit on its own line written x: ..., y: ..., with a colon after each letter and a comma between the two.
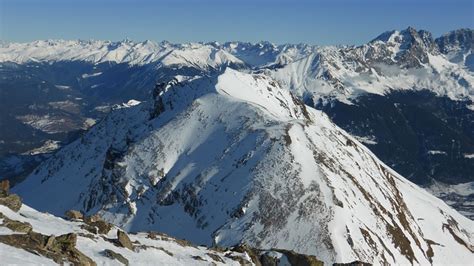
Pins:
x: 280, y: 21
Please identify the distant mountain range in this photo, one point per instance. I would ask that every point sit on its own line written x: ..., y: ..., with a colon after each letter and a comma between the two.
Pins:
x: 225, y: 144
x: 404, y: 94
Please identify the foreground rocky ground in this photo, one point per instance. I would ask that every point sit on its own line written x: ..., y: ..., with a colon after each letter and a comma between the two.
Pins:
x: 31, y: 237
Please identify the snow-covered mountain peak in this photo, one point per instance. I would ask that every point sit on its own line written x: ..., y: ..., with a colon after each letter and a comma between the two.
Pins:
x: 458, y: 46
x: 200, y: 56
x: 406, y: 38
x: 254, y: 54
x: 197, y: 55
x: 461, y: 39
x: 233, y: 158
x: 90, y: 51
x: 396, y: 60
x: 408, y: 48
x: 263, y: 92
x: 257, y: 91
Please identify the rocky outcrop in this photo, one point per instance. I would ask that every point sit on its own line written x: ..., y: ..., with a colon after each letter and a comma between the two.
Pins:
x: 96, y: 225
x: 74, y: 215
x: 354, y: 263
x: 116, y: 256
x: 12, y: 201
x: 61, y: 249
x: 274, y: 257
x: 16, y: 226
x: 4, y: 188
x: 413, y: 48
x: 124, y: 240
x: 158, y: 106
x: 462, y: 39
x: 300, y: 259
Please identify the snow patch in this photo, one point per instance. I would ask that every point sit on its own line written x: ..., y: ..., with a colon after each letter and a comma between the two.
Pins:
x: 84, y: 76
x: 63, y: 87
x: 436, y: 152
x: 369, y: 140
x: 47, y: 147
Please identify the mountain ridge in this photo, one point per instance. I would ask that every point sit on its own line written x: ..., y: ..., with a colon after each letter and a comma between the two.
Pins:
x: 235, y: 158
x: 410, y: 105
x: 147, y: 51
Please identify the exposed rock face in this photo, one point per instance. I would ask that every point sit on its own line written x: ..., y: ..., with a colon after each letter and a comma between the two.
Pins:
x: 301, y: 259
x: 266, y: 260
x: 462, y: 39
x: 4, y: 188
x: 17, y: 226
x: 412, y: 46
x: 95, y: 224
x: 92, y: 218
x: 458, y: 46
x: 74, y: 215
x: 61, y: 249
x: 124, y: 240
x: 12, y: 201
x: 271, y: 258
x: 114, y: 255
x: 354, y: 263
x: 274, y: 257
x: 158, y: 107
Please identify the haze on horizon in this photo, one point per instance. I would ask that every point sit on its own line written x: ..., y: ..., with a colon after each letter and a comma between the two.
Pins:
x: 321, y: 22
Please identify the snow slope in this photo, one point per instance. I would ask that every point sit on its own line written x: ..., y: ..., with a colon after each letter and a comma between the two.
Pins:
x: 148, y: 250
x: 235, y: 158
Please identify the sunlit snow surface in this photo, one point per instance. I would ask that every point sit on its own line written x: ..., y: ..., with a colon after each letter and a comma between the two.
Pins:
x: 236, y: 158
x: 162, y: 250
x: 340, y: 72
x: 118, y: 52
